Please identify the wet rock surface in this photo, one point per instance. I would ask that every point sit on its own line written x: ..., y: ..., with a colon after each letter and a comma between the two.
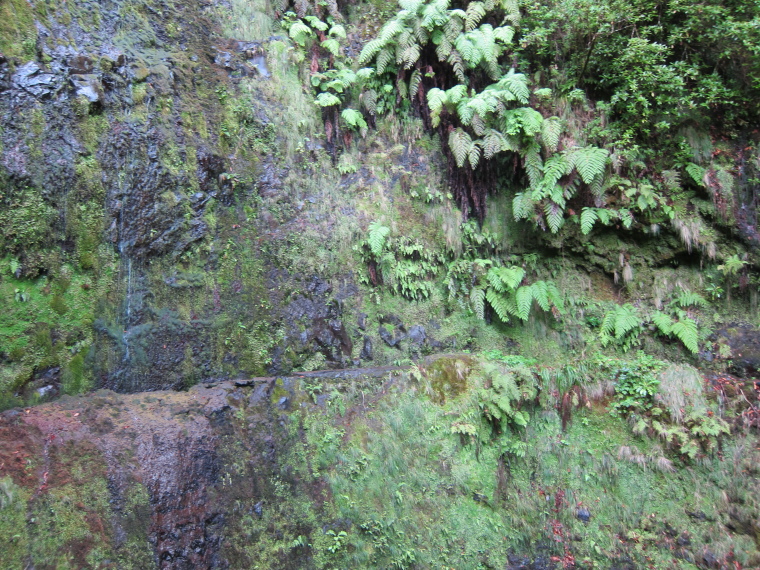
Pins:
x: 185, y: 450
x: 743, y: 341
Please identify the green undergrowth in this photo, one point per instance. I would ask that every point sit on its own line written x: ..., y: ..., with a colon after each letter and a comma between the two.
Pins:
x: 466, y: 461
x: 47, y: 324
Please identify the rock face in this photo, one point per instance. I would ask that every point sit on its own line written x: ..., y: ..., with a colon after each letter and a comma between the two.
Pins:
x: 128, y: 150
x: 153, y: 479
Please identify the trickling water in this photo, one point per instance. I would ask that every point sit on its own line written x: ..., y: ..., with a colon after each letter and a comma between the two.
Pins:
x: 128, y: 309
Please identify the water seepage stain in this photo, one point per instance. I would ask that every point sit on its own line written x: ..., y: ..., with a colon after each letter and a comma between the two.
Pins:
x: 448, y: 377
x: 259, y: 62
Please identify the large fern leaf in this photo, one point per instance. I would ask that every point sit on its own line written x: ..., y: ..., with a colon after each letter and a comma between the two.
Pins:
x: 477, y: 298
x: 588, y: 218
x: 626, y: 320
x: 551, y: 128
x: 475, y: 12
x: 498, y: 303
x: 524, y: 300
x: 663, y: 323
x: 589, y: 161
x: 686, y: 330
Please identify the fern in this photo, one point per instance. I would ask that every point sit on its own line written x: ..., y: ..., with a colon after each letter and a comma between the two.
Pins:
x: 626, y: 320
x: 663, y: 323
x: 522, y: 206
x: 327, y: 100
x: 589, y: 161
x: 461, y: 146
x: 499, y: 304
x: 554, y: 216
x: 504, y: 34
x: 524, y: 300
x: 475, y: 12
x: 551, y: 129
x: 688, y: 299
x: 331, y: 45
x: 622, y: 325
x: 414, y: 83
x: 477, y: 298
x: 588, y: 218
x: 697, y: 173
x: 354, y: 119
x: 300, y: 33
x: 686, y: 331
x: 376, y: 238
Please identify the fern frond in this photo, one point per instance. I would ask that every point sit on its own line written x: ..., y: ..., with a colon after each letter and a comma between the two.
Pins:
x: 555, y: 297
x: 499, y: 304
x: 697, y: 173
x: 522, y: 206
x: 504, y: 34
x: 384, y: 57
x: 688, y: 298
x: 457, y: 65
x: 554, y: 216
x: 331, y: 45
x: 663, y: 323
x: 524, y: 300
x: 555, y: 168
x: 511, y: 277
x: 461, y: 146
x: 476, y: 11
x: 369, y: 101
x: 300, y: 33
x: 626, y: 320
x: 325, y: 99
x: 588, y: 217
x: 533, y: 165
x: 541, y: 294
x: 686, y: 331
x: 370, y: 50
x: 477, y: 298
x: 516, y: 84
x: 376, y: 237
x: 337, y: 31
x: 473, y: 156
x: 589, y: 161
x: 414, y: 83
x: 551, y: 128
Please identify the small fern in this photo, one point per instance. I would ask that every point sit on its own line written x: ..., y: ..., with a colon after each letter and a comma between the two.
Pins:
x: 376, y: 237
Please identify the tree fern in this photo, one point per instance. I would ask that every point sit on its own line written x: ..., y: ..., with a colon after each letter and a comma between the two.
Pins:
x: 461, y: 146
x: 376, y: 238
x: 325, y: 99
x: 475, y: 12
